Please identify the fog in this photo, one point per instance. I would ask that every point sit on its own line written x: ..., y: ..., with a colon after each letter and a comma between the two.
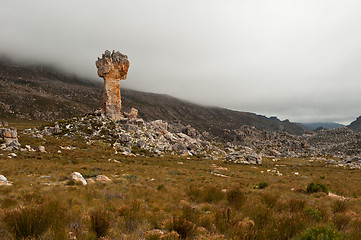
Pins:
x: 297, y: 60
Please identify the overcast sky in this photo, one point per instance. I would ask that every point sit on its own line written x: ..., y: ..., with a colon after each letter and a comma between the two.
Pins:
x: 297, y: 60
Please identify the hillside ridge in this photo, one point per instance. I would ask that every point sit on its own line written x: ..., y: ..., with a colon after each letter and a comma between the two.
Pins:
x: 41, y: 93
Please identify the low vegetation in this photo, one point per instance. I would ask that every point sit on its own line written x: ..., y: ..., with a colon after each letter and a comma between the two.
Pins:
x: 171, y: 197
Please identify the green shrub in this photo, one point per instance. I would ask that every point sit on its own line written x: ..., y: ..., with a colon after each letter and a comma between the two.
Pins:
x: 99, y: 222
x: 91, y: 174
x: 320, y: 233
x: 314, y: 214
x: 160, y: 187
x: 316, y: 187
x: 262, y: 185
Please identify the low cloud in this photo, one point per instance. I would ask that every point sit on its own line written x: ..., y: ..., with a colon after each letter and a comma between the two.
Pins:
x: 292, y: 59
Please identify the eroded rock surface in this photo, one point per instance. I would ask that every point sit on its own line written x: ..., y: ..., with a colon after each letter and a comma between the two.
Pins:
x: 112, y: 67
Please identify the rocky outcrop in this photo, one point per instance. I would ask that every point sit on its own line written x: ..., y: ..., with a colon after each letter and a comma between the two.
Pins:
x: 112, y: 67
x: 134, y: 136
x: 131, y: 135
x: 8, y: 138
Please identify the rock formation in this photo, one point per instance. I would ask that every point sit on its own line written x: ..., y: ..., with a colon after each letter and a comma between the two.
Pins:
x: 112, y: 67
x: 10, y: 138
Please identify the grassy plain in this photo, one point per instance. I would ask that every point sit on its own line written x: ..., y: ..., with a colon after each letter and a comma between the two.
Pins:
x: 170, y: 197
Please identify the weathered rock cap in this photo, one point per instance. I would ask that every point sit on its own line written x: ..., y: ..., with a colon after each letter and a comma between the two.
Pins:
x: 113, y: 65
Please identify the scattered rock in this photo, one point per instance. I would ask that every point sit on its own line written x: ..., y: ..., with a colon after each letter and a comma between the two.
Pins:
x: 102, y: 178
x: 3, y: 124
x: 77, y: 177
x: 41, y: 149
x: 133, y: 115
x: 3, y: 179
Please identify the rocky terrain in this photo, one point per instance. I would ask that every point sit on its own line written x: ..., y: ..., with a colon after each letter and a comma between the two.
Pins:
x: 133, y: 136
x: 320, y: 125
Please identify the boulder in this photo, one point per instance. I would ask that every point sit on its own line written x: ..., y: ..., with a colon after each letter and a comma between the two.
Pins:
x: 102, y: 178
x: 77, y: 177
x: 141, y: 144
x: 133, y: 114
x: 124, y: 138
x: 41, y: 149
x: 192, y: 146
x: 3, y: 179
x: 3, y: 124
x: 179, y: 146
x: 159, y: 125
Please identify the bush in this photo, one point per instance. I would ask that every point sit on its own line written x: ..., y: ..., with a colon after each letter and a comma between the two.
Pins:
x: 156, y: 234
x: 223, y: 219
x: 183, y: 227
x: 243, y: 229
x: 99, y: 222
x: 131, y: 214
x: 341, y: 221
x: 318, y: 187
x: 295, y: 205
x: 314, y: 214
x: 339, y: 206
x: 207, y: 194
x: 236, y: 198
x: 320, y: 233
x: 287, y: 225
x: 270, y: 199
x: 34, y: 221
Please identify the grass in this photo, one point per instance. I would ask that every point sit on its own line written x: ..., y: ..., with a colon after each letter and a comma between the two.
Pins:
x: 158, y: 198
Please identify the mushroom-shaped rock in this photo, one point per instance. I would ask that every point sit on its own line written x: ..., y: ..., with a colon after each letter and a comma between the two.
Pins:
x: 112, y: 67
x: 77, y: 177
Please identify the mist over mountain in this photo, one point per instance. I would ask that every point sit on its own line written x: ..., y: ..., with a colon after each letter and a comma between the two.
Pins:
x: 37, y: 92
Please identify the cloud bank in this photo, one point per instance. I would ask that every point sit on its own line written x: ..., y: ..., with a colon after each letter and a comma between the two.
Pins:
x: 291, y: 59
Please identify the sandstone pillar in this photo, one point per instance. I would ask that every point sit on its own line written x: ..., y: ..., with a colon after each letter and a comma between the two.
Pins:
x: 112, y: 67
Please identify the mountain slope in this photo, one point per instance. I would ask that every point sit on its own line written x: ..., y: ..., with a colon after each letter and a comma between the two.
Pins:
x: 41, y: 93
x: 315, y: 125
x: 355, y: 125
